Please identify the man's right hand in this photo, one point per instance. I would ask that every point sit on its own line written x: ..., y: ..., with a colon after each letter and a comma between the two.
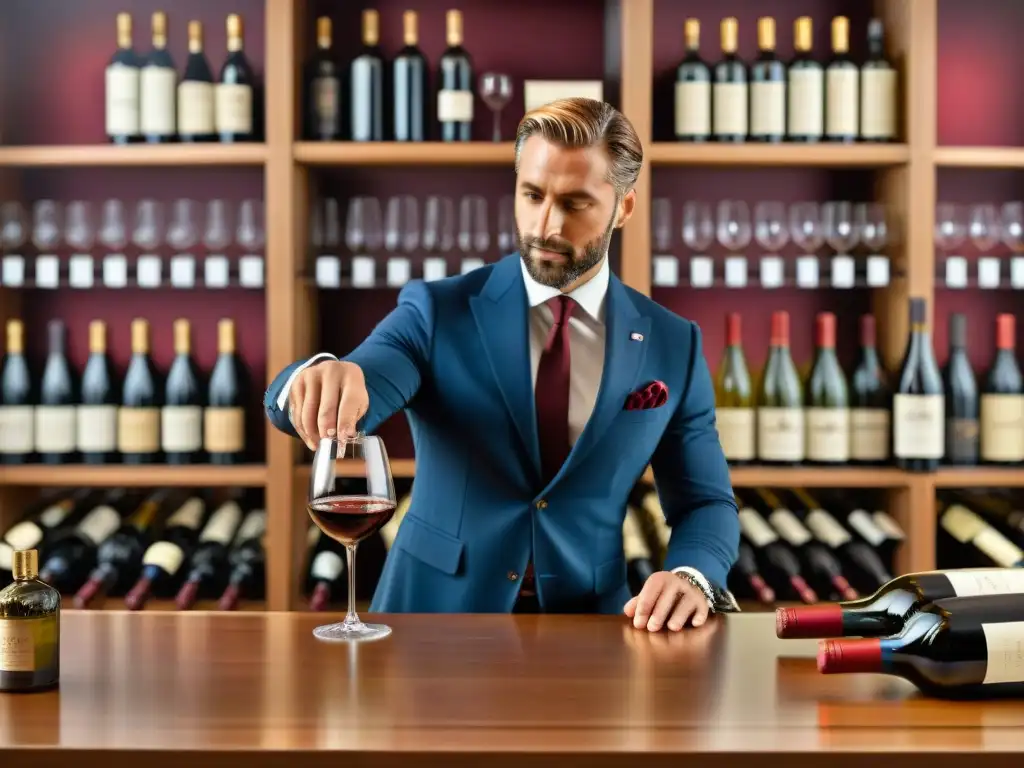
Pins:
x: 327, y: 400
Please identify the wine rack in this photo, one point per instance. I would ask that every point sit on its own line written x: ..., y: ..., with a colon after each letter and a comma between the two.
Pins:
x: 903, y: 176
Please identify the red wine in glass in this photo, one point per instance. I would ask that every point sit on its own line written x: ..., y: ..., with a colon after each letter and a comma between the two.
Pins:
x: 350, y: 519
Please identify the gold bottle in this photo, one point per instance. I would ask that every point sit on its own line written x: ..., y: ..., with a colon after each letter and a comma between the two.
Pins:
x: 29, y: 628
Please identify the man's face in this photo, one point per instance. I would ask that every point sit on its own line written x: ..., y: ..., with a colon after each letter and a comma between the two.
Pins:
x: 566, y: 211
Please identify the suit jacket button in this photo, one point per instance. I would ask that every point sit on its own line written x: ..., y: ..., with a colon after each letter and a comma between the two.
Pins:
x: 541, y: 504
x: 512, y: 576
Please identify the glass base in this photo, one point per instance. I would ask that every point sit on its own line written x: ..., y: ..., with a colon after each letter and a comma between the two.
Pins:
x: 354, y: 632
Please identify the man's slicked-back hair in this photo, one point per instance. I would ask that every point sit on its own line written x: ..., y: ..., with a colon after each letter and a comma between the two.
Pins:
x: 581, y: 123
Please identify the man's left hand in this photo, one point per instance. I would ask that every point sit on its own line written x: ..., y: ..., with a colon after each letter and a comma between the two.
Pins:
x: 667, y: 599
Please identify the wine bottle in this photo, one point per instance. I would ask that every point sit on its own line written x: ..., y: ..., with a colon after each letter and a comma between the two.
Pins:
x: 842, y: 87
x: 195, y: 92
x: 409, y: 85
x: 208, y: 569
x: 55, y: 418
x: 777, y: 561
x: 962, y: 430
x: 161, y: 564
x: 233, y: 94
x: 957, y: 648
x: 1002, y: 400
x: 828, y: 414
x: 877, y: 528
x: 780, y: 401
x: 29, y: 628
x: 693, y: 89
x: 158, y: 82
x: 997, y: 509
x: 138, y: 420
x: 122, y: 87
x: 455, y: 85
x: 767, y: 87
x: 885, y: 611
x: 878, y: 95
x: 729, y: 111
x: 639, y: 561
x: 246, y: 560
x: 49, y: 516
x: 870, y: 402
x: 96, y: 431
x: 181, y: 418
x: 323, y: 87
x: 366, y: 84
x: 918, y: 406
x: 326, y: 569
x: 17, y: 395
x: 224, y: 420
x: 734, y: 399
x: 984, y: 543
x: 744, y: 577
x: 806, y: 87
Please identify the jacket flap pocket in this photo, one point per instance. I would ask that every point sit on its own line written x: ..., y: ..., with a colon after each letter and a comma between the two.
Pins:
x: 425, y: 542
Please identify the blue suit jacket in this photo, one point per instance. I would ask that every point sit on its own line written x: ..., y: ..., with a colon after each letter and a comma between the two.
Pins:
x: 455, y: 355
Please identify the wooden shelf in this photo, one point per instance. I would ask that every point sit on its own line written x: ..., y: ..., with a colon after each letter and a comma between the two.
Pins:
x: 400, y: 468
x: 813, y: 477
x: 979, y: 157
x: 404, y: 153
x: 141, y: 155
x: 156, y: 475
x: 768, y: 155
x: 980, y: 477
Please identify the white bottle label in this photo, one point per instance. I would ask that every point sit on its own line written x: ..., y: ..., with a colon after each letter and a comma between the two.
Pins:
x: 97, y: 428
x: 780, y: 434
x: 828, y: 434
x: 233, y: 108
x: 99, y: 524
x: 223, y: 524
x: 181, y: 428
x: 869, y: 434
x: 842, y: 101
x: 1002, y: 427
x: 827, y: 529
x: 878, y: 104
x: 17, y: 429
x: 730, y: 109
x: 327, y: 566
x: 1004, y: 642
x: 56, y: 428
x: 736, y: 431
x: 24, y: 535
x: 973, y: 582
x: 157, y: 97
x: 122, y: 100
x: 865, y: 527
x: 138, y: 430
x: 789, y: 527
x: 188, y: 515
x: 693, y: 109
x: 195, y: 108
x: 6, y: 557
x: 165, y: 555
x: 918, y: 426
x: 888, y: 525
x: 55, y: 514
x: 806, y: 108
x: 254, y: 526
x: 768, y: 108
x: 756, y: 529
x: 454, y: 106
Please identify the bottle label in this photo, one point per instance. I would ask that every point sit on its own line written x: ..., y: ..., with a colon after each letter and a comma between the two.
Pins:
x: 164, y: 555
x: 693, y: 109
x: 6, y: 557
x: 789, y: 527
x: 971, y: 582
x: 756, y: 529
x: 224, y: 430
x: 24, y: 535
x: 454, y: 106
x: 138, y: 430
x: 869, y: 434
x: 223, y: 524
x: 157, y: 97
x: 17, y: 425
x: 254, y: 525
x: 55, y: 514
x: 806, y: 91
x: 780, y: 434
x: 827, y: 529
x: 56, y: 428
x: 181, y: 428
x: 878, y: 103
x: 842, y: 89
x: 122, y: 102
x: 188, y: 515
x: 730, y: 109
x: 1002, y: 427
x: 962, y: 440
x: 768, y: 108
x: 865, y: 527
x: 233, y: 108
x: 326, y: 95
x: 195, y: 108
x: 633, y: 545
x: 919, y: 426
x: 888, y: 526
x: 97, y: 428
x: 28, y: 645
x: 828, y: 434
x: 736, y: 433
x: 327, y: 566
x: 998, y: 548
x: 99, y: 524
x: 1004, y: 642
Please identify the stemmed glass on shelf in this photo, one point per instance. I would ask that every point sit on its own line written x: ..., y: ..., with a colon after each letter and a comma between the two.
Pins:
x: 772, y: 234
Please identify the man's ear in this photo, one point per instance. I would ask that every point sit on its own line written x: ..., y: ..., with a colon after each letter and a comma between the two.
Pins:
x: 626, y: 206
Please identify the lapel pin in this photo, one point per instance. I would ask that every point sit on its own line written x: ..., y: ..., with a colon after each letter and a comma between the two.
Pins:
x: 636, y: 337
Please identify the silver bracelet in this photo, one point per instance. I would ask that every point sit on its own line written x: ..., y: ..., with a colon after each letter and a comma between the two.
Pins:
x: 698, y: 580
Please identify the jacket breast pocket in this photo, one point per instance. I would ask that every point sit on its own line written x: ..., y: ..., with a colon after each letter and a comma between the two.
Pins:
x: 430, y: 545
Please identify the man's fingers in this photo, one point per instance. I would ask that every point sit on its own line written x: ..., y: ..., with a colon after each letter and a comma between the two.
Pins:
x: 354, y: 402
x: 646, y: 601
x: 630, y: 607
x: 700, y: 615
x: 310, y: 407
x: 667, y: 602
x: 327, y: 413
x: 686, y: 608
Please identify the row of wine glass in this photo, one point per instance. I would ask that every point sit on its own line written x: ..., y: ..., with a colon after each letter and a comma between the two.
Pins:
x: 993, y: 232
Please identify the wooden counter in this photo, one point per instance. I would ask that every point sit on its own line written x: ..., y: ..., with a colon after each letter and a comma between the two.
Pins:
x: 258, y: 690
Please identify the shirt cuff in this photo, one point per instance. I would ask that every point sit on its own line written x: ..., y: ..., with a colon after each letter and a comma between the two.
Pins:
x: 702, y: 582
x: 282, y: 399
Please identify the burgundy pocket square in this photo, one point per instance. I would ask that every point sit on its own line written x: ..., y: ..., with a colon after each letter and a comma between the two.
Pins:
x: 654, y: 395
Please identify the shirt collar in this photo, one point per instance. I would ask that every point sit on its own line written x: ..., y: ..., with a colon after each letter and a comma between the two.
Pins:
x: 590, y: 296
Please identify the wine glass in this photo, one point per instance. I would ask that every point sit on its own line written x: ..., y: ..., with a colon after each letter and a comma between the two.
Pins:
x: 496, y: 91
x: 350, y: 507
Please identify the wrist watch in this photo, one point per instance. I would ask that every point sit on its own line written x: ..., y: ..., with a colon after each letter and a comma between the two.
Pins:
x: 697, y: 579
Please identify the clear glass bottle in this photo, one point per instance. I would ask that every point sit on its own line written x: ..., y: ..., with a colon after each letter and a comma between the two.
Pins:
x: 29, y: 628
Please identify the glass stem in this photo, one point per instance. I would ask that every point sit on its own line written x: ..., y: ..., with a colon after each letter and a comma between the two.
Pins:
x: 497, y: 125
x: 351, y: 617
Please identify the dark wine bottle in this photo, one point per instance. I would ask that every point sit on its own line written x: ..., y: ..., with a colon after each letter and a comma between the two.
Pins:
x: 978, y: 540
x: 323, y: 87
x: 122, y: 87
x: 729, y: 110
x: 962, y: 431
x: 745, y: 577
x: 919, y: 406
x: 224, y: 420
x: 208, y: 567
x: 246, y: 560
x: 158, y: 81
x: 776, y: 560
x: 886, y: 611
x: 195, y: 92
x: 50, y: 515
x: 878, y: 89
x: 842, y: 87
x: 1002, y: 400
x: 828, y: 399
x: 17, y: 398
x: 138, y: 421
x: 957, y: 648
x: 326, y: 570
x: 693, y: 89
x: 639, y: 560
x: 233, y: 95
x: 366, y: 84
x: 805, y: 115
x: 410, y: 84
x: 181, y: 418
x: 870, y: 402
x: 767, y: 87
x: 6, y: 564
x: 455, y: 85
x: 55, y: 423
x: 101, y: 394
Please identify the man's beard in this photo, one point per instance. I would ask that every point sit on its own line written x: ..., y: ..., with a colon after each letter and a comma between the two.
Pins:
x: 575, y: 266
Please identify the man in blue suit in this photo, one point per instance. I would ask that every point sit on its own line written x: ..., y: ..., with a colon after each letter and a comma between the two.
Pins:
x: 538, y: 389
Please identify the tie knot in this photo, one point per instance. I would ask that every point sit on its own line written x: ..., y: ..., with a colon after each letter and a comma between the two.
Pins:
x: 561, y: 308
